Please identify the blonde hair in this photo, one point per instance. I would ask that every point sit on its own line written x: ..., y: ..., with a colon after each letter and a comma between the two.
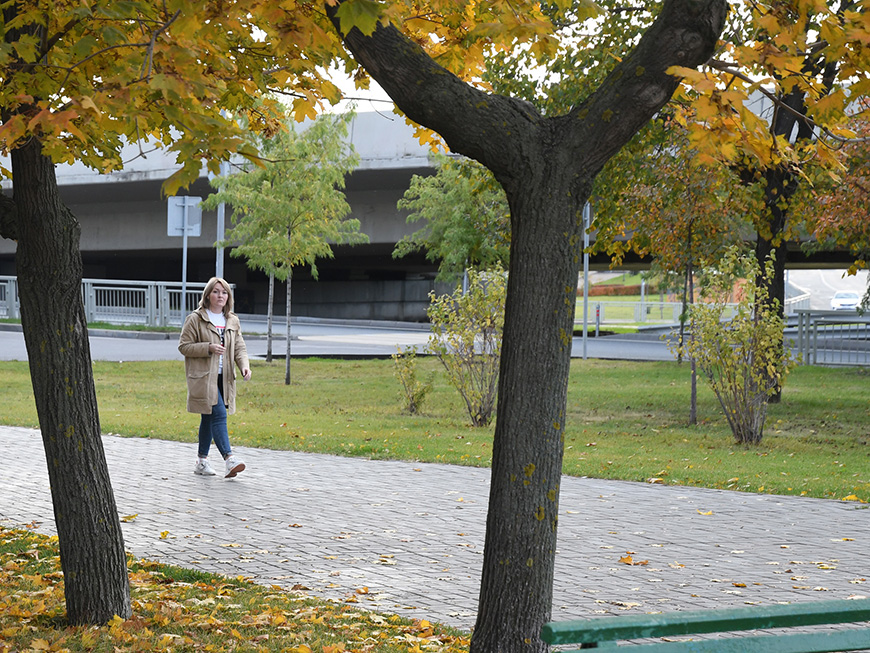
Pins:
x: 204, y: 302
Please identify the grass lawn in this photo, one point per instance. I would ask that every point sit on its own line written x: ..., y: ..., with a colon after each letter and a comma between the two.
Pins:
x: 626, y: 420
x: 178, y: 609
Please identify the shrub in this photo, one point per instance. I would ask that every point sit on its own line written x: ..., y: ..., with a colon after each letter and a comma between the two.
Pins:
x: 466, y: 338
x: 743, y: 358
x: 413, y: 390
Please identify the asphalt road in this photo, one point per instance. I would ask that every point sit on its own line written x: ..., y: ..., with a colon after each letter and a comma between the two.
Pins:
x: 822, y: 284
x: 322, y: 339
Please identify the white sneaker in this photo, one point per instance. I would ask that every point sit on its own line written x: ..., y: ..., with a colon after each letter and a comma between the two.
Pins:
x: 234, y: 466
x: 203, y: 468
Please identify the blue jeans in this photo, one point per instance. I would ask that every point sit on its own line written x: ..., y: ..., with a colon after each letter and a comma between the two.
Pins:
x: 214, y: 427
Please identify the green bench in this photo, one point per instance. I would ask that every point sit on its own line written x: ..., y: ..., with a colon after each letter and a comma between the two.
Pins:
x: 606, y: 632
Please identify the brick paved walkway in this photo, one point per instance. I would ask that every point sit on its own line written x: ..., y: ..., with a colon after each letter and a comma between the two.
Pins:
x: 412, y: 533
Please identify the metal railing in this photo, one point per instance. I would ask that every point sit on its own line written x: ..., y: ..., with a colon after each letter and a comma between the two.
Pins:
x: 147, y: 303
x: 657, y: 312
x: 646, y: 312
x: 833, y: 338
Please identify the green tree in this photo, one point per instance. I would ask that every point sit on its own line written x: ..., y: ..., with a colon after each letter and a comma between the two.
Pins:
x: 466, y: 216
x: 808, y: 61
x: 682, y: 214
x: 77, y: 82
x: 291, y: 210
x: 546, y: 163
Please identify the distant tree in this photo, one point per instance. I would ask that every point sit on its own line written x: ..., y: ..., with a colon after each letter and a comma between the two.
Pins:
x: 290, y: 210
x: 774, y: 105
x: 682, y: 214
x: 466, y: 216
x: 840, y: 206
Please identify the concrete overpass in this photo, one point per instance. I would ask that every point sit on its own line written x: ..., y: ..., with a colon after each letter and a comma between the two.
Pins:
x: 124, y: 231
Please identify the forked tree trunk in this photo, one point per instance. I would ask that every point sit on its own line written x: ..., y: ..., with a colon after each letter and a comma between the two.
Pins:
x: 516, y: 587
x: 546, y: 166
x: 55, y: 331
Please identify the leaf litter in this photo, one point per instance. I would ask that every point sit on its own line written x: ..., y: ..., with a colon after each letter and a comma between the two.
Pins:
x: 188, y: 610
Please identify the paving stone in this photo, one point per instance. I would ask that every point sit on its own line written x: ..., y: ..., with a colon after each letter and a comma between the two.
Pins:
x: 337, y: 525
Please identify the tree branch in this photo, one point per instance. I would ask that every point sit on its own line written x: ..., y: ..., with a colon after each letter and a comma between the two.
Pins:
x: 683, y: 34
x: 496, y: 130
x: 470, y: 121
x: 725, y: 67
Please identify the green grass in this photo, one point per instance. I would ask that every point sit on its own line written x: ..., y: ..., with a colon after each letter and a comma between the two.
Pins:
x: 186, y: 610
x: 625, y: 421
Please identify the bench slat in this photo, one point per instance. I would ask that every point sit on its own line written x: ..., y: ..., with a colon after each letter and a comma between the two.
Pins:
x: 843, y: 640
x: 705, y: 621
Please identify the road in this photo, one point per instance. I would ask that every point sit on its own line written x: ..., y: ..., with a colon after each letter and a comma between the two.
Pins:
x: 321, y: 339
x: 822, y: 284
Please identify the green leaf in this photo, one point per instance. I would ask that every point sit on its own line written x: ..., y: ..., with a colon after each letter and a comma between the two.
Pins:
x: 84, y: 46
x: 362, y: 14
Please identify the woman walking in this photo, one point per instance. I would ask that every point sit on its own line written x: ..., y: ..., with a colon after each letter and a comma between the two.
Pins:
x: 212, y: 345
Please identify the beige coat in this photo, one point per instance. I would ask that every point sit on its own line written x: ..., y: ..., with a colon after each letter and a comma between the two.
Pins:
x: 201, y: 367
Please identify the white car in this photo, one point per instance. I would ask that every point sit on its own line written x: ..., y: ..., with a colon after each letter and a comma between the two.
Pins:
x: 845, y: 300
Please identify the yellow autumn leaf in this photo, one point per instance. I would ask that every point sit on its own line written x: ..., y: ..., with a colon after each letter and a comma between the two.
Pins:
x: 164, y: 535
x: 709, y: 512
x: 88, y: 103
x: 129, y: 518
x: 335, y: 648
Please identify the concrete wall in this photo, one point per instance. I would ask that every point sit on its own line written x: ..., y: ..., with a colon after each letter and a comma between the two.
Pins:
x: 124, y: 220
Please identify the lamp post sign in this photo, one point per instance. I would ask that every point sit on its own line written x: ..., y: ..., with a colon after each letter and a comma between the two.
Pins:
x: 184, y: 218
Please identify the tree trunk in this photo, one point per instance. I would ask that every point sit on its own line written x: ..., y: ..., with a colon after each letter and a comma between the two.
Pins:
x: 269, y: 314
x: 770, y: 241
x: 693, y: 401
x: 289, y: 295
x: 546, y: 166
x: 517, y: 580
x: 55, y: 331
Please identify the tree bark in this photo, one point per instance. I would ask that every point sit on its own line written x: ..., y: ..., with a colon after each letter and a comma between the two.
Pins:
x: 55, y: 331
x: 546, y: 166
x: 289, y: 338
x: 269, y: 317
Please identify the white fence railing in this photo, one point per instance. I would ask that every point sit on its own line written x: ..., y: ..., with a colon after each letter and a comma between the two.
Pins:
x: 147, y: 303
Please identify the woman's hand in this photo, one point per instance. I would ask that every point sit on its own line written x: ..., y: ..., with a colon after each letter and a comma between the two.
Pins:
x: 246, y: 374
x: 216, y: 348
